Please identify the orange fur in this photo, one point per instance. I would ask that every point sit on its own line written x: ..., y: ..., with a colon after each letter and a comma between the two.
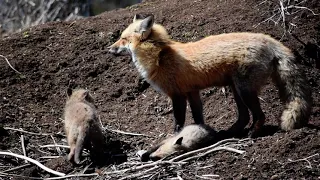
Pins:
x: 243, y: 61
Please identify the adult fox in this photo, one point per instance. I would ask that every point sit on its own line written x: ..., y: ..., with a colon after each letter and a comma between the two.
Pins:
x: 243, y: 61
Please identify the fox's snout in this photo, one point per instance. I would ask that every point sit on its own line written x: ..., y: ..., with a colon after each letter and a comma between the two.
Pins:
x: 118, y: 50
x: 113, y: 50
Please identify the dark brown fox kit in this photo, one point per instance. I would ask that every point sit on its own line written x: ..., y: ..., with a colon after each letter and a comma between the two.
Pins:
x: 82, y: 126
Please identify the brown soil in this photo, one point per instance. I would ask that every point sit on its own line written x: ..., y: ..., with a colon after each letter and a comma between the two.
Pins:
x: 56, y: 55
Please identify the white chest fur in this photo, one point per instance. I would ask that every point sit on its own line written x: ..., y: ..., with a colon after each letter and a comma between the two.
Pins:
x: 139, y: 66
x: 144, y: 73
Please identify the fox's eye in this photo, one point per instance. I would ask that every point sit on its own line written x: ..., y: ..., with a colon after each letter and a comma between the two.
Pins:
x: 123, y: 38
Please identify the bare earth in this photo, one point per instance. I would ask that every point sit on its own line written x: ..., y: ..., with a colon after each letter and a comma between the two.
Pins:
x: 56, y: 55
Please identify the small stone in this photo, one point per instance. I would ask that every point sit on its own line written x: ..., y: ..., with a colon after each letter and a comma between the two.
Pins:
x: 274, y: 177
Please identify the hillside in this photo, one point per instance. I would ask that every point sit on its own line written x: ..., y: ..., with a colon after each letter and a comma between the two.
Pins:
x: 54, y: 56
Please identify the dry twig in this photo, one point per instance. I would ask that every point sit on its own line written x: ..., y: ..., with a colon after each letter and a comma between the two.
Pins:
x: 208, y: 177
x: 213, y: 150
x: 57, y: 147
x: 127, y: 133
x: 73, y: 175
x: 23, y: 147
x: 17, y: 168
x: 304, y: 159
x: 23, y: 131
x: 140, y: 173
x: 49, y: 157
x: 136, y: 168
x: 2, y: 174
x: 10, y: 64
x: 190, y: 153
x: 284, y: 9
x: 34, y: 162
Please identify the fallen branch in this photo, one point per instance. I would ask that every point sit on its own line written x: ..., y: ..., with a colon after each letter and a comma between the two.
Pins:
x: 206, y: 177
x: 132, y: 176
x: 213, y: 150
x: 34, y: 162
x: 210, y: 175
x: 55, y: 145
x: 190, y: 153
x: 23, y: 147
x: 86, y: 168
x: 127, y: 133
x: 120, y: 132
x: 49, y: 157
x: 281, y: 12
x: 73, y: 175
x: 301, y: 7
x: 10, y: 64
x: 16, y: 175
x: 23, y: 131
x: 304, y: 159
x: 17, y: 168
x: 142, y: 167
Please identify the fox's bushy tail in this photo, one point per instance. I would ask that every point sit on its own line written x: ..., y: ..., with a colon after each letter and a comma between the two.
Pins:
x: 294, y: 90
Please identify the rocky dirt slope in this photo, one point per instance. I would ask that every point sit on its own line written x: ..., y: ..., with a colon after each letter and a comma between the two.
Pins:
x: 56, y: 55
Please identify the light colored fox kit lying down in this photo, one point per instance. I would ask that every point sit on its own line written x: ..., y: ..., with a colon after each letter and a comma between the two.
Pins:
x: 191, y: 137
x: 81, y: 125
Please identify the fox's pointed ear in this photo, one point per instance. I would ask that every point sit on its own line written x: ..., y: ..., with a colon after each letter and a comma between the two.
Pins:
x: 137, y: 17
x: 147, y: 23
x: 179, y: 141
x: 69, y: 92
x: 145, y: 27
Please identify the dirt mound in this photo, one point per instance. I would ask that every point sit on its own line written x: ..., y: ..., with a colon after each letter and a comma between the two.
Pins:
x: 56, y: 55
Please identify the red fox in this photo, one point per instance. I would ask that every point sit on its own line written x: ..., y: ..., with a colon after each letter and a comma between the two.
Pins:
x: 81, y: 125
x: 244, y: 61
x: 191, y: 137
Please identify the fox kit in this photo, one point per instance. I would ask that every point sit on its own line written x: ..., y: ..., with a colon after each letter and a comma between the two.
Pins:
x: 82, y: 126
x: 243, y: 61
x: 191, y: 137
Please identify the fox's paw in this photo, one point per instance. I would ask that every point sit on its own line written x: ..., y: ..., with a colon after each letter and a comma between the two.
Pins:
x: 253, y: 133
x: 77, y: 160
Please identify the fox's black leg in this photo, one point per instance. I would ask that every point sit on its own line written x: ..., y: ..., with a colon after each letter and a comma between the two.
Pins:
x: 243, y: 113
x: 179, y: 104
x: 250, y: 98
x: 196, y: 106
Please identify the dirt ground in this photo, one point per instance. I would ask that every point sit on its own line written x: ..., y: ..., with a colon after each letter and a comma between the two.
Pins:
x: 56, y: 55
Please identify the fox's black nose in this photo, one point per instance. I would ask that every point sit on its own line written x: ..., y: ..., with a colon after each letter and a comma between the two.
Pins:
x: 145, y: 157
x: 113, y: 50
x: 155, y: 158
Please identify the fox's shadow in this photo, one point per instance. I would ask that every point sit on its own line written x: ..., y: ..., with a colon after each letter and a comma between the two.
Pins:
x: 115, y: 153
x: 266, y: 130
